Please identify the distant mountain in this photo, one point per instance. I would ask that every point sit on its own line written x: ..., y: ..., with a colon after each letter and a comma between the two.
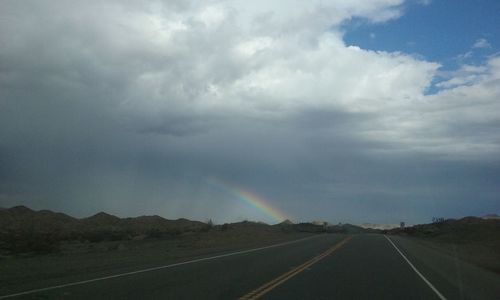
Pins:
x: 148, y: 223
x: 23, y: 219
x: 21, y: 209
x: 491, y: 217
x: 320, y: 226
x: 20, y: 224
x: 468, y: 228
x: 250, y: 224
x: 347, y: 228
x: 101, y: 219
x: 285, y: 223
x: 379, y: 226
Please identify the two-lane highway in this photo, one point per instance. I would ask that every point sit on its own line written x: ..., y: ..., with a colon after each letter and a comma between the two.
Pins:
x: 368, y: 267
x: 324, y: 267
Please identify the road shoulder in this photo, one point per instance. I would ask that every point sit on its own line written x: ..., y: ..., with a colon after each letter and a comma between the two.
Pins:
x: 456, y: 279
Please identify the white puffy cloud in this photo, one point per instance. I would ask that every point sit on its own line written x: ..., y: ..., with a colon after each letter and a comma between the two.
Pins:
x: 459, y: 121
x: 481, y: 43
x: 169, y: 62
x: 178, y: 65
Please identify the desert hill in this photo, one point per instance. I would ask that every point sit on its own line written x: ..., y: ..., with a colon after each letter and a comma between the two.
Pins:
x: 23, y: 229
x: 471, y: 238
x: 464, y: 229
x: 23, y: 219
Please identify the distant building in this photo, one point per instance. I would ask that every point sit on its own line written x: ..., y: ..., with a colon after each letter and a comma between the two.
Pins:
x: 320, y: 223
x: 402, y: 225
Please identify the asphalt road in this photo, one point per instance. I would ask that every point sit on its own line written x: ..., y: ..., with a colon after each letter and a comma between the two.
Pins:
x: 323, y: 267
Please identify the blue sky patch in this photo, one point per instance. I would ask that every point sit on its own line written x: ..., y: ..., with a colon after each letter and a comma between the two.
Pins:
x: 451, y: 33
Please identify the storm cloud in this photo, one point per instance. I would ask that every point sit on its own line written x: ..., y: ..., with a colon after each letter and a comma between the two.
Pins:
x: 133, y: 107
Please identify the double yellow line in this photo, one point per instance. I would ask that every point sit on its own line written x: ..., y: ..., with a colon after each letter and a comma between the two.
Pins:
x: 262, y: 290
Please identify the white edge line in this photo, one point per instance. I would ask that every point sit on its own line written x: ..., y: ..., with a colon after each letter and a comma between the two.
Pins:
x: 153, y: 269
x: 416, y: 271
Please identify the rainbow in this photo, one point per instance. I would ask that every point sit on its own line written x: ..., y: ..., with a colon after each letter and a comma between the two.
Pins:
x: 250, y: 198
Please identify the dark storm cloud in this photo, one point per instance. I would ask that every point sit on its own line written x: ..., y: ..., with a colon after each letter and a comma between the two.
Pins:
x: 133, y: 108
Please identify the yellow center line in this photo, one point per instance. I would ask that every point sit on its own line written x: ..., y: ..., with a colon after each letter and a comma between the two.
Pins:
x: 262, y: 290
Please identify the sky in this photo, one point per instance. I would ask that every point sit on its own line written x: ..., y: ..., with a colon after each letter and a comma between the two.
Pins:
x: 345, y: 111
